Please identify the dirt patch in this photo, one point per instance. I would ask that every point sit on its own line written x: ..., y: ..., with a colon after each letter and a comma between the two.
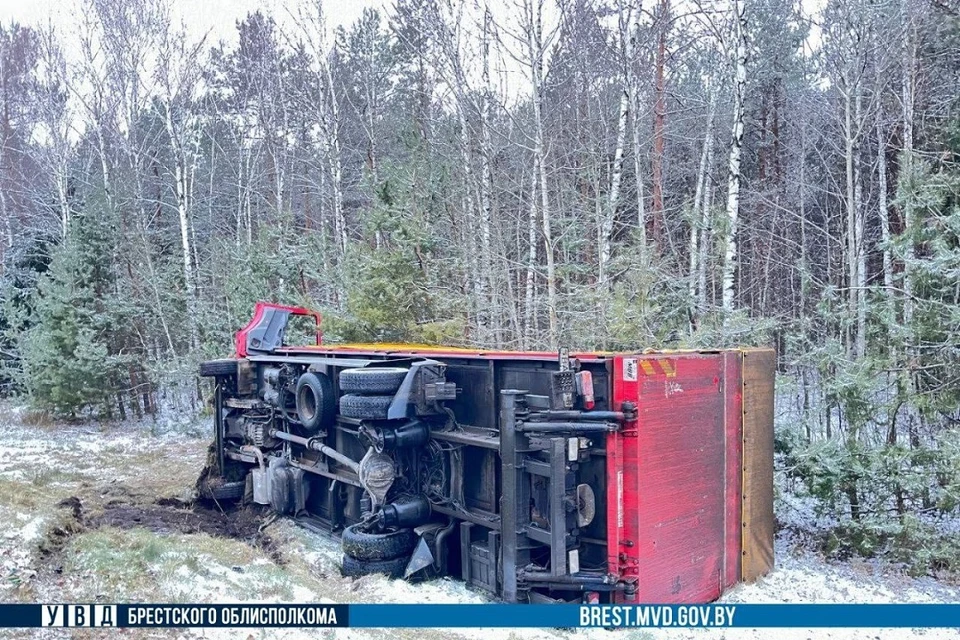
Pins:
x: 164, y: 516
x: 57, y: 537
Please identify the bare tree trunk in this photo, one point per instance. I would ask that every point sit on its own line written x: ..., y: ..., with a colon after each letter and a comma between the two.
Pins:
x: 5, y: 134
x: 638, y: 167
x: 528, y: 311
x: 311, y: 21
x: 178, y: 74
x: 478, y: 303
x: 851, y: 110
x: 851, y: 207
x: 331, y: 143
x: 884, y: 213
x: 700, y: 215
x: 606, y: 225
x: 56, y: 115
x: 706, y: 207
x: 534, y: 28
x: 486, y: 181
x: 859, y: 233
x: 7, y: 227
x: 183, y: 213
x: 736, y: 146
x: 443, y: 22
x: 906, y: 382
x: 908, y: 99
x: 659, y: 122
x: 627, y: 104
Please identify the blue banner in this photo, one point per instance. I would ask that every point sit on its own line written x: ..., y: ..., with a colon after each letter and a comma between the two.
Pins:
x: 657, y: 616
x: 709, y: 616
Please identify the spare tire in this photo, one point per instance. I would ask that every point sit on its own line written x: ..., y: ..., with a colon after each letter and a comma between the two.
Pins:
x: 361, y: 545
x: 365, y: 407
x: 222, y: 367
x: 354, y: 567
x: 316, y: 402
x: 374, y: 380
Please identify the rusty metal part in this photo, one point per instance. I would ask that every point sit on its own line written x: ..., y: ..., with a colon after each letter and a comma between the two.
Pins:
x: 256, y: 453
x: 377, y: 474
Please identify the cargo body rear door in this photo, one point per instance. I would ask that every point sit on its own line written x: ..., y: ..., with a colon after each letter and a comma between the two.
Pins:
x: 674, y: 476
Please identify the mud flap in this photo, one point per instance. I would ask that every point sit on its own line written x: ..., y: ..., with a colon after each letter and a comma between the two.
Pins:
x: 421, y: 559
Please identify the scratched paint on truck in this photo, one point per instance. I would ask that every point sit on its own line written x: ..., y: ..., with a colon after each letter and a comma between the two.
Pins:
x: 675, y: 469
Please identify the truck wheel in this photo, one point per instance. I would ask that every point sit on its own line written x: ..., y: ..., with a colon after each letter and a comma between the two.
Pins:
x: 377, y: 546
x: 316, y: 406
x: 223, y: 367
x: 365, y: 407
x: 394, y: 568
x: 280, y: 498
x: 222, y: 492
x: 377, y: 381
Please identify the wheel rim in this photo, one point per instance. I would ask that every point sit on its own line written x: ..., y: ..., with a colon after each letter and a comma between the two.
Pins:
x: 307, y: 404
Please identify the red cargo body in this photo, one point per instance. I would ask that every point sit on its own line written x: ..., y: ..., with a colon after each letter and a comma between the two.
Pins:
x: 682, y: 473
x: 675, y: 476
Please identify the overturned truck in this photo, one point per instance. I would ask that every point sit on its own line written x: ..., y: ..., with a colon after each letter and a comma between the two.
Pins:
x: 588, y: 477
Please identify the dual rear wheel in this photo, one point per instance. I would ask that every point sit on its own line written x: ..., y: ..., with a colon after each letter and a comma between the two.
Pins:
x: 366, y: 553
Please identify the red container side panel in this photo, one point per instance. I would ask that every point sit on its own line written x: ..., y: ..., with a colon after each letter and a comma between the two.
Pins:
x: 675, y: 474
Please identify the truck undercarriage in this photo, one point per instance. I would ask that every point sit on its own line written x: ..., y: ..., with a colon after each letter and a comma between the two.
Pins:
x: 534, y: 476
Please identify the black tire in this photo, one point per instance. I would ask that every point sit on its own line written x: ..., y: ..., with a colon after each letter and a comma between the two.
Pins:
x: 280, y: 498
x: 394, y: 568
x: 316, y: 401
x: 222, y: 492
x: 214, y: 368
x: 365, y: 407
x: 377, y: 546
x: 375, y: 381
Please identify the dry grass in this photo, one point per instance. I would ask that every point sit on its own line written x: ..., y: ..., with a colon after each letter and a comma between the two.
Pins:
x: 51, y: 556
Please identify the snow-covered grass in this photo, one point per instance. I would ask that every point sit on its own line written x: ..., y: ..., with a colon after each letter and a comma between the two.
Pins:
x: 45, y: 556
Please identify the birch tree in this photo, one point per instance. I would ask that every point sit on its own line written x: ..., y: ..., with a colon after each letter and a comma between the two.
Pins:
x: 446, y: 23
x: 736, y: 148
x: 536, y: 43
x: 624, y: 20
x: 659, y: 120
x: 312, y: 28
x: 700, y: 217
x: 178, y: 74
x: 908, y: 100
x: 57, y: 122
x: 883, y: 206
x: 18, y: 59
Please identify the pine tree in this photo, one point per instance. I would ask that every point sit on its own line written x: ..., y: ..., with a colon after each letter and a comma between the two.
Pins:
x: 67, y: 363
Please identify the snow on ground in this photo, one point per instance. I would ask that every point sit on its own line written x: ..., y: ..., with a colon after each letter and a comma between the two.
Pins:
x: 799, y: 577
x: 42, y: 465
